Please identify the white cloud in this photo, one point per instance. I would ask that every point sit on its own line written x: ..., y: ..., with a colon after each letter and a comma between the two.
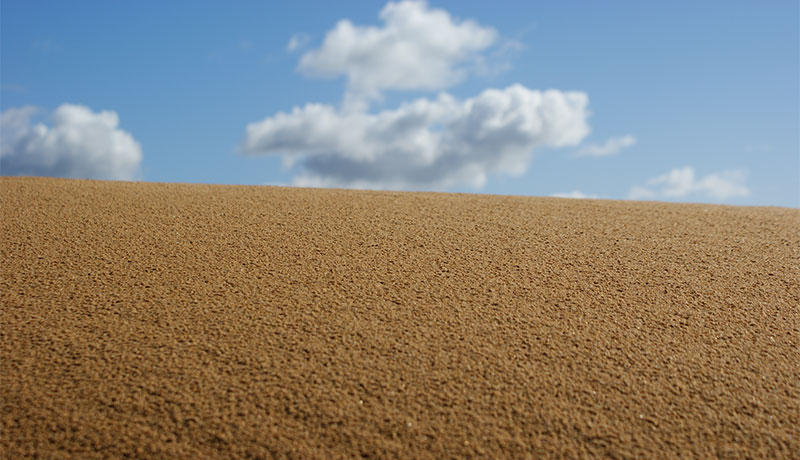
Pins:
x: 682, y: 182
x: 575, y: 194
x: 611, y: 147
x: 499, y: 60
x: 79, y: 144
x: 641, y: 193
x: 297, y: 41
x: 417, y: 48
x: 427, y: 143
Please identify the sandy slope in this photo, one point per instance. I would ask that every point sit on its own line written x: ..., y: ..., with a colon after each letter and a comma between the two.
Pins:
x: 192, y: 321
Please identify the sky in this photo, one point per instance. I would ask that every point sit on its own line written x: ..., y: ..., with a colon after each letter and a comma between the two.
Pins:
x: 667, y: 101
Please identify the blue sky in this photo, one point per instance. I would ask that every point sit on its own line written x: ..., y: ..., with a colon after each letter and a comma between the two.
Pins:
x: 673, y: 101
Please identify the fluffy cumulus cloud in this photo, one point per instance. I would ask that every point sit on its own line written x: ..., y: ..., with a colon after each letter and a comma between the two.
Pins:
x: 78, y: 144
x: 611, y: 147
x: 683, y: 182
x: 427, y: 143
x: 417, y: 48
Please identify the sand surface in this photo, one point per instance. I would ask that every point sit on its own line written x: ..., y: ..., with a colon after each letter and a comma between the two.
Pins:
x: 203, y: 322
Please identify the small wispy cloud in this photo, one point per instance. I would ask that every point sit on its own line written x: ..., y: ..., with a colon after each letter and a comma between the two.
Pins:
x: 612, y: 146
x: 577, y: 194
x: 298, y: 41
x: 499, y: 60
x: 683, y: 183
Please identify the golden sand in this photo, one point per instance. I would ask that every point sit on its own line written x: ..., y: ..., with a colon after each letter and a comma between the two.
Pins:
x: 142, y: 320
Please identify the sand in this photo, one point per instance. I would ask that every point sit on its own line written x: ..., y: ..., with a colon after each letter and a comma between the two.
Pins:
x: 142, y: 320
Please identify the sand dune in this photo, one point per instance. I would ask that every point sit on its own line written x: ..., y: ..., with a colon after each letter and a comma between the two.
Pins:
x: 192, y: 321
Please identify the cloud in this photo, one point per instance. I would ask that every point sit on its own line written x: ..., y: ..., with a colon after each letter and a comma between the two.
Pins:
x: 611, y: 147
x: 499, y: 60
x: 575, y: 194
x: 417, y: 48
x: 79, y: 144
x: 681, y: 183
x: 298, y: 41
x: 428, y: 143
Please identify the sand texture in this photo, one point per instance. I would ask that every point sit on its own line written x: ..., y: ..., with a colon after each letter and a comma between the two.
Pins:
x: 213, y: 322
